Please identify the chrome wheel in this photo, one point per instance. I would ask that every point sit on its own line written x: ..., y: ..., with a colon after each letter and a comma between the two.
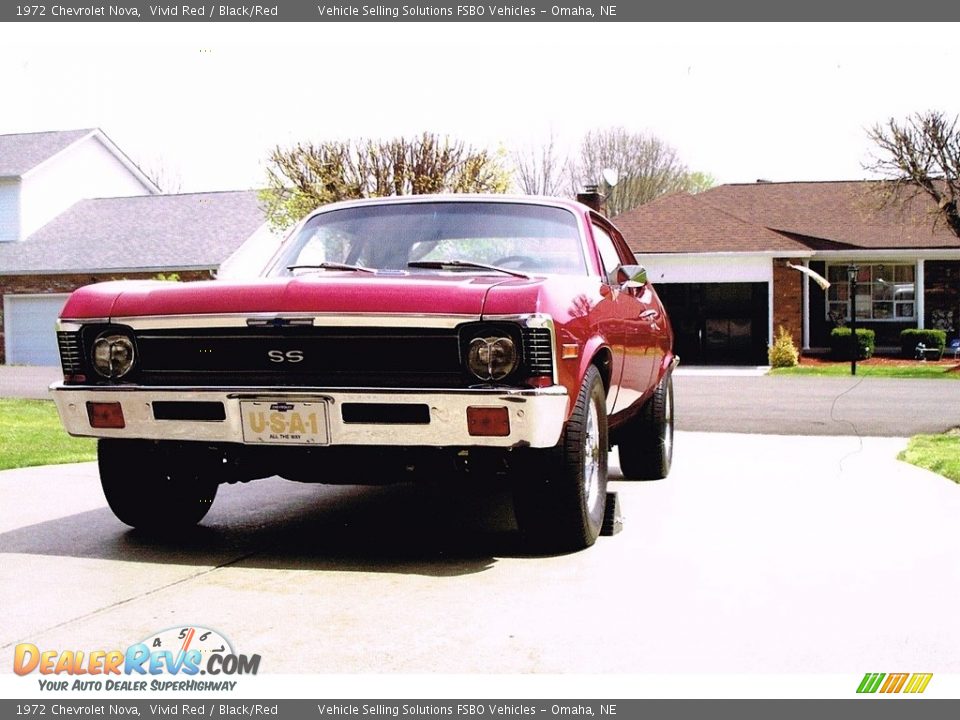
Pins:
x: 560, y: 498
x: 668, y: 434
x: 591, y: 458
x: 646, y: 442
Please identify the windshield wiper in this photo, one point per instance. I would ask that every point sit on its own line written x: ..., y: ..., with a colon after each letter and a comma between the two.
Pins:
x: 331, y: 266
x: 443, y: 264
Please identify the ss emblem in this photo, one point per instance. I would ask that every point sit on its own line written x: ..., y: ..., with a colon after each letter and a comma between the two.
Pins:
x: 290, y: 356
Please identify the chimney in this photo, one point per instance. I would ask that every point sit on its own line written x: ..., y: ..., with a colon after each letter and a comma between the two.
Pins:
x: 592, y: 198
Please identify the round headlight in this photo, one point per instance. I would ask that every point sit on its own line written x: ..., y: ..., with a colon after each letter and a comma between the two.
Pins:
x: 112, y: 355
x: 491, y: 358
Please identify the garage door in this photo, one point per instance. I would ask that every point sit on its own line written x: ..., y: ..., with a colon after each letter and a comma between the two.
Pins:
x: 718, y: 323
x: 29, y: 328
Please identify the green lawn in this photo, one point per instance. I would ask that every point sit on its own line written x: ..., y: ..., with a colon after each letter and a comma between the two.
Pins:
x: 31, y: 434
x: 939, y: 453
x: 919, y: 370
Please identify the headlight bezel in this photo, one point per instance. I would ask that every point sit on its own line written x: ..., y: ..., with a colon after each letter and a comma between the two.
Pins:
x: 492, y: 358
x: 111, y: 352
x: 496, y: 337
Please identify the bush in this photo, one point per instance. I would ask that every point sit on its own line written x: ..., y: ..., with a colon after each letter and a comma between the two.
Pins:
x: 909, y: 339
x: 840, y: 343
x: 783, y: 353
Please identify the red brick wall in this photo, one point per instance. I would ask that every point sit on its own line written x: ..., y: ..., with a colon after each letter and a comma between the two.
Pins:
x: 788, y: 300
x: 40, y: 284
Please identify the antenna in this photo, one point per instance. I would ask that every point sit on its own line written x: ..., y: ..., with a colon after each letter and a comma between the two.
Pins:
x: 610, y: 176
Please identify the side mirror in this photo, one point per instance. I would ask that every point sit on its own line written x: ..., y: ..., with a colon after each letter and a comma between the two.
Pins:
x: 631, y: 276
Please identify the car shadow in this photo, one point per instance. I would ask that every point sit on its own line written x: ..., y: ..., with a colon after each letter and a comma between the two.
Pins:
x: 276, y: 524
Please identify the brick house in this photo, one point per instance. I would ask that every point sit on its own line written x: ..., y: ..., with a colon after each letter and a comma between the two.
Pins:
x: 75, y: 210
x: 721, y: 262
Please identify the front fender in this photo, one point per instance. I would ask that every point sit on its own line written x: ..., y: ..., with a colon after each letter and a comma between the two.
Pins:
x: 572, y: 370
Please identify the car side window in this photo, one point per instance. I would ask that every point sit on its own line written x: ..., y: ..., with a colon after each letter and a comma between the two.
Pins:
x: 609, y: 257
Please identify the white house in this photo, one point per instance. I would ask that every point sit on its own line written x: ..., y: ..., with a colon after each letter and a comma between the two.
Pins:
x: 75, y: 210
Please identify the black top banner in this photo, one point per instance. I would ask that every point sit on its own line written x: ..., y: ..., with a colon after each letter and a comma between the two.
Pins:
x: 519, y: 11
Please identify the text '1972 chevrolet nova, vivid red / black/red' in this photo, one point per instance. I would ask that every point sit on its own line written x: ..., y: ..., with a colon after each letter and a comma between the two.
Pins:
x: 512, y: 337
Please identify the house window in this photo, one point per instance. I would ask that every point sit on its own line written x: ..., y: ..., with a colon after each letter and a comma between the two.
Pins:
x: 884, y: 292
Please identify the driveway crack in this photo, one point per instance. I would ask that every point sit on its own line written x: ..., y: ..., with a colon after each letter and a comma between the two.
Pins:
x: 139, y: 596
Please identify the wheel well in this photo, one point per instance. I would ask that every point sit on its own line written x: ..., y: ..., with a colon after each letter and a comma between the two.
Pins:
x: 603, y: 361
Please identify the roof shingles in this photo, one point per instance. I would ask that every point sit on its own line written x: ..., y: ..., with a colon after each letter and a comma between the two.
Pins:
x: 682, y: 223
x: 198, y: 230
x: 22, y: 152
x: 778, y: 217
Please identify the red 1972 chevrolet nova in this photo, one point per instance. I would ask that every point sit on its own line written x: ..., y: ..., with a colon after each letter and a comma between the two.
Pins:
x: 490, y: 335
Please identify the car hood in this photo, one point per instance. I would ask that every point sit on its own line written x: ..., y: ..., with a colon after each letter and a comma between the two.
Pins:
x: 328, y: 293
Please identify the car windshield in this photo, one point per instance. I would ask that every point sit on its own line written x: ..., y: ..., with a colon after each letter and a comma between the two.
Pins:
x: 530, y: 239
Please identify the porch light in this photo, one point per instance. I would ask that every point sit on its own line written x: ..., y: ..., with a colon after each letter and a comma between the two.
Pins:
x: 853, y: 273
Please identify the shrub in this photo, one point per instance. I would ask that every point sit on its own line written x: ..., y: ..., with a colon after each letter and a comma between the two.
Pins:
x: 840, y: 343
x: 909, y: 339
x: 783, y: 353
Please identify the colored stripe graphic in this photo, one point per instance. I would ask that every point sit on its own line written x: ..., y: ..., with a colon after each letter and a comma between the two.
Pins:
x: 895, y: 682
x: 918, y: 682
x: 870, y: 682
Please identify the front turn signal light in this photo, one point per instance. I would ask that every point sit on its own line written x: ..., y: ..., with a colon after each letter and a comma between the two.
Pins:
x: 108, y: 415
x: 488, y: 421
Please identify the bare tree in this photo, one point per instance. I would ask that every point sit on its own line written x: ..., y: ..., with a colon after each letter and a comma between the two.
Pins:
x: 160, y: 174
x: 540, y: 170
x: 302, y: 178
x: 920, y: 156
x: 646, y: 166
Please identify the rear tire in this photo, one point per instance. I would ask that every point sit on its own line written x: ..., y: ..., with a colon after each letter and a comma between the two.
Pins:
x: 646, y: 443
x: 560, y: 500
x: 156, y: 485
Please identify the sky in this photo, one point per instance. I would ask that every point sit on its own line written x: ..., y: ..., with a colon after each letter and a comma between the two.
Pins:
x: 205, y: 103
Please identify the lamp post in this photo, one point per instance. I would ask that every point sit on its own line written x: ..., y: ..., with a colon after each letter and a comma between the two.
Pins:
x: 852, y: 272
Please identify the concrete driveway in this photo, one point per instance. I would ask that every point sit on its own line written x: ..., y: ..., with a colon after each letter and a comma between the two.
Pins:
x: 783, y: 405
x: 27, y: 381
x: 759, y: 554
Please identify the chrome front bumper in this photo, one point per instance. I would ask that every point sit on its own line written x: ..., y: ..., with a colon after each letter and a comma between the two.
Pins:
x: 536, y: 415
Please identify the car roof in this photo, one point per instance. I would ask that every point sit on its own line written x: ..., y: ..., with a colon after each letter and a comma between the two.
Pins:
x: 540, y: 200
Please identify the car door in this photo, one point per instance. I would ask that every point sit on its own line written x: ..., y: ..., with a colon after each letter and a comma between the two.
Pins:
x: 639, y: 318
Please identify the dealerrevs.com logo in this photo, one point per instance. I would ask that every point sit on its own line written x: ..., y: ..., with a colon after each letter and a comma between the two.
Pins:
x: 180, y: 652
x: 910, y: 683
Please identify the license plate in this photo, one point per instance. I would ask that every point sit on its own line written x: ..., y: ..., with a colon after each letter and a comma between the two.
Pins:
x: 285, y: 423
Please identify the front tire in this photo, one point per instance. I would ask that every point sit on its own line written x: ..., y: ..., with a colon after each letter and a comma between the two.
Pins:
x: 560, y: 500
x: 155, y: 485
x: 646, y: 443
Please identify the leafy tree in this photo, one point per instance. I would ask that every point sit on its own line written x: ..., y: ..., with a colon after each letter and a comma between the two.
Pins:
x: 920, y: 156
x: 696, y: 182
x: 306, y: 176
x: 646, y: 167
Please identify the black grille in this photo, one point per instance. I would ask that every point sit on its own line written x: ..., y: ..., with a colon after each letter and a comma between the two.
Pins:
x: 327, y: 357
x: 538, y: 351
x: 71, y: 353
